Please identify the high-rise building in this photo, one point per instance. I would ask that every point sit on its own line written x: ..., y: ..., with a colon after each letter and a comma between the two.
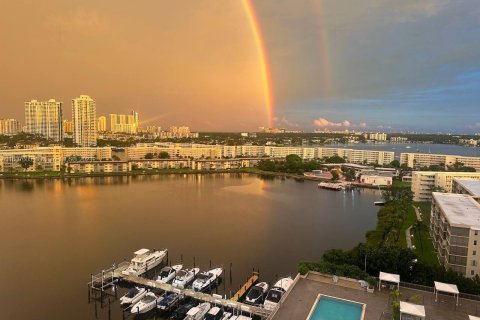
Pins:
x: 9, y: 127
x: 44, y: 118
x: 124, y: 123
x: 102, y: 124
x: 84, y: 115
x: 68, y: 126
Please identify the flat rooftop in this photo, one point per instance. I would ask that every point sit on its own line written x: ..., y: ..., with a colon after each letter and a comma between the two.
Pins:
x: 459, y: 209
x: 471, y: 185
x: 301, y: 298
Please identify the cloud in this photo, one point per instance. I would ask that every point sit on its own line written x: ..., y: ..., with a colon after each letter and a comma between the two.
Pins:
x: 322, y: 122
x: 283, y: 121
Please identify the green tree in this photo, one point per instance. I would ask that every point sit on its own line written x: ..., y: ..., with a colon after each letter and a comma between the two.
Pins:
x: 395, y: 163
x: 335, y: 175
x: 149, y: 155
x: 163, y: 155
x: 25, y: 163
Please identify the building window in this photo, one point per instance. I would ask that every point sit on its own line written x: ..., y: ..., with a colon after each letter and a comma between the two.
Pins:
x: 474, y: 242
x: 472, y: 272
x: 474, y: 252
x: 476, y: 232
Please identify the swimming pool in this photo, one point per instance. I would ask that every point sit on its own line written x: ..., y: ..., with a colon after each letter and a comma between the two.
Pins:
x: 331, y: 308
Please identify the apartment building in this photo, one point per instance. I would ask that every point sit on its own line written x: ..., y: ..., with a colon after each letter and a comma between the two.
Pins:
x: 43, y: 158
x: 224, y: 164
x: 454, y: 228
x: 357, y: 156
x: 9, y: 127
x: 98, y: 167
x: 282, y: 152
x: 469, y: 187
x: 84, y: 115
x: 148, y: 164
x: 123, y: 123
x: 419, y: 160
x: 92, y: 153
x: 44, y: 118
x: 424, y: 182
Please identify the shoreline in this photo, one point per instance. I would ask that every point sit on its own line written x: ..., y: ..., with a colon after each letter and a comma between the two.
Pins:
x: 51, y: 175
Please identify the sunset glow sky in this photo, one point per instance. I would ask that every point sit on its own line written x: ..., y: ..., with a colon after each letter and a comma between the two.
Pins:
x: 235, y: 65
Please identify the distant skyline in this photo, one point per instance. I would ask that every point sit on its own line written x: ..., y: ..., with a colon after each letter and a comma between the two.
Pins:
x: 237, y: 65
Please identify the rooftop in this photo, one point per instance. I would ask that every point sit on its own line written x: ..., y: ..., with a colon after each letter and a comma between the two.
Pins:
x: 471, y: 185
x: 301, y: 298
x: 459, y: 209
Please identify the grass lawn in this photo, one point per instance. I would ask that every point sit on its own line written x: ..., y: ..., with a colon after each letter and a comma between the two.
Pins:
x: 422, y: 241
x: 410, y: 220
x: 401, y: 184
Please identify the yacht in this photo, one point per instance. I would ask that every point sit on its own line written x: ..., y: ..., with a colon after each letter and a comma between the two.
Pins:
x: 149, y: 302
x: 168, y: 273
x: 240, y: 318
x: 206, y: 279
x: 257, y: 293
x: 276, y: 293
x: 169, y: 301
x: 198, y: 312
x: 184, y: 277
x: 144, y: 260
x: 133, y: 295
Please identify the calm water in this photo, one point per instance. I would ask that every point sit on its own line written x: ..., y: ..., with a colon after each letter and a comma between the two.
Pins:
x: 417, y: 148
x: 54, y: 233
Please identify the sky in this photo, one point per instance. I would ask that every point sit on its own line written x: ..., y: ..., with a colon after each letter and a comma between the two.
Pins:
x: 235, y: 65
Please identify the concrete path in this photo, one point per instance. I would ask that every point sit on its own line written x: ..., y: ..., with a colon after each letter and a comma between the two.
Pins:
x: 408, y: 237
x: 418, y: 213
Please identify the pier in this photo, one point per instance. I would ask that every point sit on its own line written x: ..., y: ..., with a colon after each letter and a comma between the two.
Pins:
x: 109, y: 278
x: 243, y: 290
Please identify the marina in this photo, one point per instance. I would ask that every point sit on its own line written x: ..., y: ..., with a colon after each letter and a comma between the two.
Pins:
x: 104, y: 283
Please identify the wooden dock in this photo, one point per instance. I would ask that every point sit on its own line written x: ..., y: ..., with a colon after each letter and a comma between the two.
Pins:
x: 243, y: 290
x: 218, y: 300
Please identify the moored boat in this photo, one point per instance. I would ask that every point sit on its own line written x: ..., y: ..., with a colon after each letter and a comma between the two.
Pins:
x: 133, y: 295
x: 276, y: 293
x: 198, y: 312
x: 257, y: 293
x: 206, y: 279
x: 167, y: 273
x: 184, y: 277
x: 144, y: 260
x: 149, y: 302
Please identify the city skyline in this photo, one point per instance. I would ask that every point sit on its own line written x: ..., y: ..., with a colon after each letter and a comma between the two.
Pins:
x: 301, y: 66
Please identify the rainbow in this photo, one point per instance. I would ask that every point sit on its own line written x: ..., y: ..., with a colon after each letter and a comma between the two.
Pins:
x: 263, y: 59
x: 326, y: 76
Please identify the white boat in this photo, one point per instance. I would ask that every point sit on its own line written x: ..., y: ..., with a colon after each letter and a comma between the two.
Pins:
x: 149, y: 302
x: 144, y: 260
x: 184, y: 277
x: 257, y: 293
x: 277, y: 292
x: 217, y: 314
x: 331, y: 186
x: 206, y: 279
x: 168, y: 273
x: 198, y: 312
x: 133, y: 295
x: 379, y: 203
x: 240, y: 318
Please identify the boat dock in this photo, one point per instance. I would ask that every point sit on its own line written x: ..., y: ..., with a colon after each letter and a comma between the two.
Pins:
x: 110, y: 277
x: 250, y: 282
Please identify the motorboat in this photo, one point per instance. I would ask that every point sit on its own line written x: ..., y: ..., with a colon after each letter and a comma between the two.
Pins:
x: 277, y: 292
x: 206, y: 279
x: 379, y: 203
x: 198, y: 312
x: 239, y: 318
x: 144, y: 260
x: 181, y: 312
x: 169, y: 301
x: 184, y: 277
x: 257, y: 293
x: 149, y: 302
x: 217, y: 313
x: 167, y: 274
x: 133, y: 295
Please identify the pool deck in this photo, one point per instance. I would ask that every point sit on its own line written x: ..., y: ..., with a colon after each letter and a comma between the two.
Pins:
x: 301, y: 298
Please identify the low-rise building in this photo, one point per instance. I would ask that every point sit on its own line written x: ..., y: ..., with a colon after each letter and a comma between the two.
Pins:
x: 41, y: 158
x: 425, y: 182
x: 470, y: 187
x: 376, y: 180
x: 420, y: 160
x: 148, y: 164
x: 98, y: 167
x: 225, y: 164
x: 454, y: 227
